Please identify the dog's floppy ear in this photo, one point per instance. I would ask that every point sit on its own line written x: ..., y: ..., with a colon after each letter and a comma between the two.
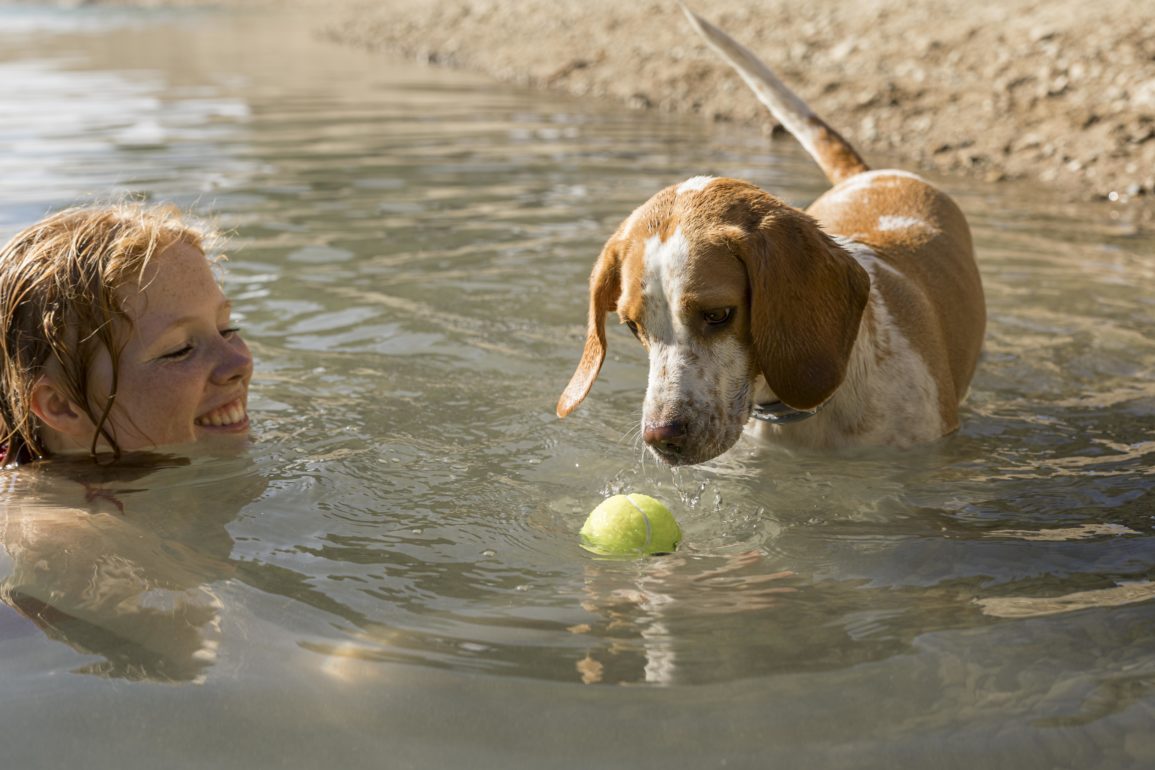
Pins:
x: 605, y: 288
x: 807, y: 296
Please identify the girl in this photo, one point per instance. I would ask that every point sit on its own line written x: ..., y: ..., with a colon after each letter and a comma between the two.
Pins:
x: 114, y: 337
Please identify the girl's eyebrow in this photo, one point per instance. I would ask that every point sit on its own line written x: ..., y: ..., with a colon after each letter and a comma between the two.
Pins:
x: 225, y: 306
x: 165, y: 325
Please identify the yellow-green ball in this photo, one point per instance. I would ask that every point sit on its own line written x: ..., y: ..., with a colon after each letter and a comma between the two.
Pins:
x: 631, y: 525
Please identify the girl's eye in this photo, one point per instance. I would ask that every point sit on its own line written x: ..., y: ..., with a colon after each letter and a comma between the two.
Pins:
x: 178, y: 354
x: 718, y: 317
x: 186, y: 350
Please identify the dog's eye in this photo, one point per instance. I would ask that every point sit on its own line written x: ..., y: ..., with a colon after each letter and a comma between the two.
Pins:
x: 633, y: 327
x: 718, y: 317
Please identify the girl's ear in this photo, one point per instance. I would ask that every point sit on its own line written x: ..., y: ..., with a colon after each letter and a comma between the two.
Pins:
x: 64, y: 424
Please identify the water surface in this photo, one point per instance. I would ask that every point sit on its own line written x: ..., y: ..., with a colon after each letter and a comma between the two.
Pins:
x: 391, y: 577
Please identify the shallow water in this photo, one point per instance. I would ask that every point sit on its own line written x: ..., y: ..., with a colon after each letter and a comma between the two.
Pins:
x: 391, y: 575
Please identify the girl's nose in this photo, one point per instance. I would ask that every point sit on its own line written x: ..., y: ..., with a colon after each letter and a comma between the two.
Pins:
x: 236, y: 362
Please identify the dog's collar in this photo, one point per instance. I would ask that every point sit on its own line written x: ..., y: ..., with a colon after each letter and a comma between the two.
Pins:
x: 777, y: 413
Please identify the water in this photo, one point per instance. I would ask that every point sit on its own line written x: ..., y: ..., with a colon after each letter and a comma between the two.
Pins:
x: 390, y: 576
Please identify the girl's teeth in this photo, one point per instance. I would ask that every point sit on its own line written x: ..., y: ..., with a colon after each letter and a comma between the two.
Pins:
x: 228, y: 415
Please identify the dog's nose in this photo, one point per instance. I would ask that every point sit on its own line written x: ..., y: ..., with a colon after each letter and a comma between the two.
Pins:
x: 666, y: 437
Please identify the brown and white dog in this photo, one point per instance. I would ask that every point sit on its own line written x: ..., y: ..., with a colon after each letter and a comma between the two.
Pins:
x: 856, y: 322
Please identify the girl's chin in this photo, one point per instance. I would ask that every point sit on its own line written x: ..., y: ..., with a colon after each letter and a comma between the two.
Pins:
x: 222, y: 439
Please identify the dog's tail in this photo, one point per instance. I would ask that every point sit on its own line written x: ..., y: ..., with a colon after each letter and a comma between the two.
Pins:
x: 834, y: 154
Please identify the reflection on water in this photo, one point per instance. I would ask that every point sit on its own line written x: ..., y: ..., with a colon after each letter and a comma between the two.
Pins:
x: 398, y: 551
x: 97, y: 567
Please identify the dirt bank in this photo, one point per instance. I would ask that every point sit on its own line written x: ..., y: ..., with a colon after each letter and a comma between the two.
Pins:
x: 1061, y: 92
x: 1057, y: 92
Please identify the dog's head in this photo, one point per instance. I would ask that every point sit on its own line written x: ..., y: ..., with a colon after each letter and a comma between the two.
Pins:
x: 721, y: 283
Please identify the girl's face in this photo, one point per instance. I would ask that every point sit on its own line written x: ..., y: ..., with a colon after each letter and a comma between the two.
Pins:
x: 184, y: 372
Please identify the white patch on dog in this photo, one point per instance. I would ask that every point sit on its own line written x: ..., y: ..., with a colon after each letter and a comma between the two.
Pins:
x: 855, y: 185
x: 913, y: 405
x: 887, y: 223
x: 865, y: 256
x: 665, y: 268
x: 694, y: 183
x: 879, y: 174
x: 911, y: 411
x: 704, y: 385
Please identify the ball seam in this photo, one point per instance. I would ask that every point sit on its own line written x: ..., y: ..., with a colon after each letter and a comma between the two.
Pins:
x: 646, y: 519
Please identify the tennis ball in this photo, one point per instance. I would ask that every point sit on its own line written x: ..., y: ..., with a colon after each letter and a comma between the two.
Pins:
x: 630, y: 524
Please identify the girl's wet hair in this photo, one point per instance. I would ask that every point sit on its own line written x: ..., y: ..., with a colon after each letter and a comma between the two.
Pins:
x: 60, y: 306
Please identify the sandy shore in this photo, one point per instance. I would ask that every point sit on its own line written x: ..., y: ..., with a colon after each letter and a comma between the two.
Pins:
x: 1059, y: 93
x: 1056, y: 92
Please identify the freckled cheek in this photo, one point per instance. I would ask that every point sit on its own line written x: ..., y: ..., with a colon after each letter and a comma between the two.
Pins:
x: 161, y: 402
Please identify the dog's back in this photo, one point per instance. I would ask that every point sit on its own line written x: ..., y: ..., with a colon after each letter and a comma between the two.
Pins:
x: 908, y: 224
